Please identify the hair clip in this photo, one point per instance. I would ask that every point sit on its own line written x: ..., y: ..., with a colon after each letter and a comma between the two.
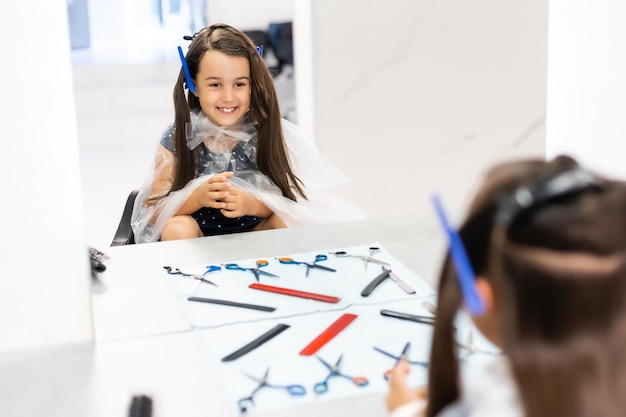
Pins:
x: 192, y: 37
x: 525, y: 198
x: 464, y: 271
x: 259, y: 49
x: 189, y: 84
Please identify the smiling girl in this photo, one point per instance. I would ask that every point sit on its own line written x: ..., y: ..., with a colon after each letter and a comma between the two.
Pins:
x: 230, y: 163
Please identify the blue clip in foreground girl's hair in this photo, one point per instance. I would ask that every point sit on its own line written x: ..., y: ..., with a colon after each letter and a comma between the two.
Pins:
x: 473, y: 302
x: 259, y: 49
x: 190, y: 84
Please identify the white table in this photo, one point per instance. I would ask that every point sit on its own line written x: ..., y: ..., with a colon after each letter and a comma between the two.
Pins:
x: 144, y: 345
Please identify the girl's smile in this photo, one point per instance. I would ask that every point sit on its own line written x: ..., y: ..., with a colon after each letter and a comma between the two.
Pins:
x: 227, y: 110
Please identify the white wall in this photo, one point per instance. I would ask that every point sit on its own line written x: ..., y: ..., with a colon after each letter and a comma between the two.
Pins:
x: 250, y: 14
x: 45, y: 279
x: 424, y: 95
x: 587, y: 83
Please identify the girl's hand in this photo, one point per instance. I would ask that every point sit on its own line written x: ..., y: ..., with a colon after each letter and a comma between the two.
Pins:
x: 240, y: 203
x: 214, y: 191
x: 399, y: 392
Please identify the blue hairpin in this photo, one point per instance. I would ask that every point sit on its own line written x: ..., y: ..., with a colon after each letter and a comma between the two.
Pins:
x: 190, y: 84
x: 473, y: 302
x: 259, y: 49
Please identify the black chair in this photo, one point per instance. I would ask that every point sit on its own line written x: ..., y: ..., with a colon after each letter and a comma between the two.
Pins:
x: 281, y: 37
x: 124, y: 234
x: 260, y: 37
x: 277, y: 40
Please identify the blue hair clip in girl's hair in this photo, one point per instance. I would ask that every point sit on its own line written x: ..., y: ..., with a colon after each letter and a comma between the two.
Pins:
x: 259, y: 49
x: 473, y: 302
x: 189, y: 81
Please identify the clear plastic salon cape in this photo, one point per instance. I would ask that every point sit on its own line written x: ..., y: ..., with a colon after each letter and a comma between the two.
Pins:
x: 324, y: 185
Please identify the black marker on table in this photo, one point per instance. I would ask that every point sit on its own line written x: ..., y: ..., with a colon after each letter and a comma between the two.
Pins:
x: 409, y: 317
x: 275, y: 331
x: 232, y: 303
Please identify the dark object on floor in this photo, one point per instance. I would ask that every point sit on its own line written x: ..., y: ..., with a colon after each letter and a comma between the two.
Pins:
x: 98, y: 261
x: 140, y: 406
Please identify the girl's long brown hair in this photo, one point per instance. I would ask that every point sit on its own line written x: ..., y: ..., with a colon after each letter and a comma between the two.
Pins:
x: 271, y: 156
x: 559, y: 276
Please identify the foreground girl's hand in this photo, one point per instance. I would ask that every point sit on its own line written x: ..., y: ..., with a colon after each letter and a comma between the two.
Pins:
x: 399, y: 392
x: 213, y: 192
x: 240, y: 203
x: 210, y: 193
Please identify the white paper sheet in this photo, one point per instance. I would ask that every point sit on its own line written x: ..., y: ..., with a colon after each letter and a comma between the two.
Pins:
x: 222, y: 330
x: 347, y: 283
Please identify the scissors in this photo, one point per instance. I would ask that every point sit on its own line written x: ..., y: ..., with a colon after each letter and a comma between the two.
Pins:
x: 309, y: 266
x: 366, y: 258
x: 333, y: 370
x: 256, y: 271
x: 175, y: 271
x: 293, y: 390
x: 369, y: 288
x: 398, y: 358
x: 211, y: 268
